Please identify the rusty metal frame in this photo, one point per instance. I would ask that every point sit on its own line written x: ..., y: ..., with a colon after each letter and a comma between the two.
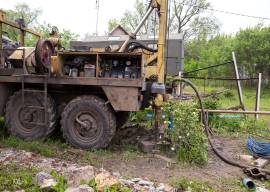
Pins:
x: 37, y: 79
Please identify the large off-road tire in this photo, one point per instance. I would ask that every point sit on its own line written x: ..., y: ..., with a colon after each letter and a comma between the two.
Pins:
x: 87, y: 122
x: 121, y: 118
x: 28, y: 122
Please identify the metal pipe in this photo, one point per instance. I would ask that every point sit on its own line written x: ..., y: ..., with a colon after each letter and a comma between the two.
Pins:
x: 143, y: 20
x: 239, y: 88
x: 123, y: 47
x: 258, y: 96
x: 238, y: 112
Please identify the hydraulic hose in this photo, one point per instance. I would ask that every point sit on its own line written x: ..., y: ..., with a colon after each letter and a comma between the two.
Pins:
x: 208, y: 131
x: 132, y: 45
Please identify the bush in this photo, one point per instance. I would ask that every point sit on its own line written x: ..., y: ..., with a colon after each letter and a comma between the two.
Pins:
x: 187, y: 135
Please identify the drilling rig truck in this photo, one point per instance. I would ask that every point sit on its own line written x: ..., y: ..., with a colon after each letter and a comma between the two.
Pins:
x: 87, y: 93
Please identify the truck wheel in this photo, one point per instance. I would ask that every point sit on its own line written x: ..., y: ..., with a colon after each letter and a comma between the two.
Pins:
x: 121, y: 118
x: 28, y: 122
x: 87, y: 122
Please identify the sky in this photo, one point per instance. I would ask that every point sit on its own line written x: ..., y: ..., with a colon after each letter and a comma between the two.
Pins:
x: 79, y: 16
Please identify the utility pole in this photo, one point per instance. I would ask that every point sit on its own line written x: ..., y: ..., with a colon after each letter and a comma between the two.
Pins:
x: 97, y: 8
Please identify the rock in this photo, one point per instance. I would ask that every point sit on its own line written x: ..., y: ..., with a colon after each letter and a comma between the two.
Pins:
x: 160, y: 187
x: 168, y: 188
x: 136, y: 180
x: 126, y: 182
x: 116, y: 174
x: 260, y: 189
x: 45, y: 180
x: 74, y: 175
x: 147, y: 183
x: 81, y: 188
x: 105, y: 179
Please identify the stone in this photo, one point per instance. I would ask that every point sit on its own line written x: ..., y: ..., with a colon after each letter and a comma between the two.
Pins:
x: 168, y: 188
x: 126, y: 182
x: 136, y: 180
x: 147, y: 146
x: 260, y: 162
x: 45, y: 180
x: 260, y: 189
x: 143, y: 183
x: 116, y: 174
x: 105, y: 179
x: 160, y: 187
x: 75, y: 175
x: 81, y: 188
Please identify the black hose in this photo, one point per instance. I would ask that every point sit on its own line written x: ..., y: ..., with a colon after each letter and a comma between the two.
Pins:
x: 132, y: 45
x: 207, y: 129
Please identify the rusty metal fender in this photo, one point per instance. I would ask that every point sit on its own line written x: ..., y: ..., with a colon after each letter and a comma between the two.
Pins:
x: 123, y: 98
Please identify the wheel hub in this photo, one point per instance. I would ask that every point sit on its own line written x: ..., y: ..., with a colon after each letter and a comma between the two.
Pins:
x: 86, y: 125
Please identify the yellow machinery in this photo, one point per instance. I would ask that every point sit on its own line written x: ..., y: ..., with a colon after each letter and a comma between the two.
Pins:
x: 91, y: 92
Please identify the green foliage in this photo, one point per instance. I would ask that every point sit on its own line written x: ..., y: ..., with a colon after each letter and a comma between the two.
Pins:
x: 239, y: 124
x: 117, y: 188
x: 61, y: 182
x: 22, y: 10
x: 252, y: 46
x: 187, y: 135
x: 189, y: 20
x: 141, y: 117
x: 229, y: 94
x: 92, y: 183
x: 13, y: 178
x: 192, y: 185
x: 112, y: 23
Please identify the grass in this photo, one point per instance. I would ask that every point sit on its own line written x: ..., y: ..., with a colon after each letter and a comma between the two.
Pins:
x: 57, y: 147
x: 13, y: 177
x: 221, y: 185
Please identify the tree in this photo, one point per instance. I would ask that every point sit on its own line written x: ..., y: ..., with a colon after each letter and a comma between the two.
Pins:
x: 112, y: 24
x: 186, y: 17
x: 131, y: 19
x: 30, y: 17
x: 252, y: 47
x: 21, y: 11
x: 189, y: 18
x: 66, y: 35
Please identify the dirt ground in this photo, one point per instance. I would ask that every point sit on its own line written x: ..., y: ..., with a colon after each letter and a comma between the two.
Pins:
x: 155, y: 169
x: 139, y: 165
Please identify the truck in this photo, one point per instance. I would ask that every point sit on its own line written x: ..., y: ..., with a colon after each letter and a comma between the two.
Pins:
x: 88, y: 93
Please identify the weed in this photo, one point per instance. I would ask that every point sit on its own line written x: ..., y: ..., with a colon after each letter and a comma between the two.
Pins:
x: 192, y: 185
x: 15, y: 178
x: 61, y: 182
x: 229, y: 94
x: 92, y: 183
